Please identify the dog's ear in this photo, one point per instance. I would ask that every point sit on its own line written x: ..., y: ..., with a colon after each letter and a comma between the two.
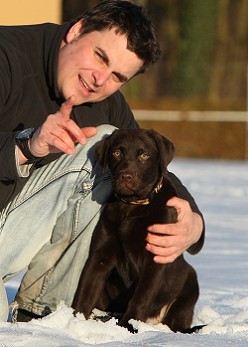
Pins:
x: 102, y: 148
x: 165, y: 147
x: 101, y: 151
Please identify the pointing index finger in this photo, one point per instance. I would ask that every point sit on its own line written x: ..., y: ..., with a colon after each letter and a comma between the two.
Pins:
x: 66, y: 107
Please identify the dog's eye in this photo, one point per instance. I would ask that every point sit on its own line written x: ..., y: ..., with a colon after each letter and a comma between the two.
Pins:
x: 117, y: 154
x: 144, y: 156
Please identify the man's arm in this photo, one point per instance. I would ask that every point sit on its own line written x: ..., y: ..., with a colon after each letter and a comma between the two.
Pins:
x: 184, y: 194
x: 168, y: 241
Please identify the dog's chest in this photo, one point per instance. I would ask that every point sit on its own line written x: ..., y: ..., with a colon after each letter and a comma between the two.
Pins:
x: 133, y: 223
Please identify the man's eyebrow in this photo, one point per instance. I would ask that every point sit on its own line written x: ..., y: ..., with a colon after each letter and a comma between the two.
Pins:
x: 121, y: 77
x: 105, y: 57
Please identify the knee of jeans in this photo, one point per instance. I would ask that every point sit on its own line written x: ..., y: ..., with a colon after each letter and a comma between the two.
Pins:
x: 105, y: 129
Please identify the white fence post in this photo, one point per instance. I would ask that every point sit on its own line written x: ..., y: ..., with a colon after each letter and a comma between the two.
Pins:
x: 246, y: 135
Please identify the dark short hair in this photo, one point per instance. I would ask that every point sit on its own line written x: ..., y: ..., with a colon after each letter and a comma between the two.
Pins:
x: 128, y: 19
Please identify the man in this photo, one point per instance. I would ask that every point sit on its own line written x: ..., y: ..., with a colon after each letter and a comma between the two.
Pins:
x: 59, y: 95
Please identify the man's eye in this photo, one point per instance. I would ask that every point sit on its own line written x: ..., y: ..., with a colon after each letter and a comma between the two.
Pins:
x: 116, y: 79
x: 101, y: 57
x: 117, y: 154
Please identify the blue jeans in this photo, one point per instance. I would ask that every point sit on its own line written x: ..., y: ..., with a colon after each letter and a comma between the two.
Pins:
x: 48, y: 228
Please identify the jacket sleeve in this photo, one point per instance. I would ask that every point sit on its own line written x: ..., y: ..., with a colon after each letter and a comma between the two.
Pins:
x: 183, y: 193
x: 8, y: 169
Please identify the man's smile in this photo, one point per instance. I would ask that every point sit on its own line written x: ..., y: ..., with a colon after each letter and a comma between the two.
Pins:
x: 85, y: 85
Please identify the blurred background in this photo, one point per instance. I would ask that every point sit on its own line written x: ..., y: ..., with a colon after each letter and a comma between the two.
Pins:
x: 198, y: 93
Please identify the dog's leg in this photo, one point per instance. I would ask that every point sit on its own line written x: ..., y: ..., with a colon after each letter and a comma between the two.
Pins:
x: 148, y: 302
x: 180, y: 314
x: 161, y: 297
x: 92, y: 280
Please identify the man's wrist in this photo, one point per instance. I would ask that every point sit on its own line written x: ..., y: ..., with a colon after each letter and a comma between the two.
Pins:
x: 198, y: 226
x: 22, y: 166
x: 199, y: 230
x: 23, y: 142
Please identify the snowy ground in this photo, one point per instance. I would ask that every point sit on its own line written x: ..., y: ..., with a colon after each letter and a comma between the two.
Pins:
x: 221, y: 190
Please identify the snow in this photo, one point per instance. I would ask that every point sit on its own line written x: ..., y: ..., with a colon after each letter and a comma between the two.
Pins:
x: 221, y: 190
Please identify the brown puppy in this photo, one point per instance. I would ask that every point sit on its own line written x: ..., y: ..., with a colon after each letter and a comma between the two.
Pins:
x: 120, y: 275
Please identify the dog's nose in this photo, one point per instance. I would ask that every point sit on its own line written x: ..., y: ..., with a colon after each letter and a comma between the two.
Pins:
x: 127, y: 177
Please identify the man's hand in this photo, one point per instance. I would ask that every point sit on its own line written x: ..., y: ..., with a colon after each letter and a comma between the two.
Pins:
x: 59, y: 133
x: 168, y: 241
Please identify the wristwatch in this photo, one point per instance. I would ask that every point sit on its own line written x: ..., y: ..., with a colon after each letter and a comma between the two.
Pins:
x: 22, y: 141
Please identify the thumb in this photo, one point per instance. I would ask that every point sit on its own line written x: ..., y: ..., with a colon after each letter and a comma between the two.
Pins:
x: 174, y: 202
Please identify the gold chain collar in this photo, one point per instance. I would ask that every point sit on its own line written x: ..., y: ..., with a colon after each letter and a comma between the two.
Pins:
x: 145, y: 201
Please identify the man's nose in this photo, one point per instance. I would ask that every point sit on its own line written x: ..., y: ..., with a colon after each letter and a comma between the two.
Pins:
x: 101, y: 76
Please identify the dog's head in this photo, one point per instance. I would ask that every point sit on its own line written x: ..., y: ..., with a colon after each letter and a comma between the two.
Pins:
x: 137, y: 159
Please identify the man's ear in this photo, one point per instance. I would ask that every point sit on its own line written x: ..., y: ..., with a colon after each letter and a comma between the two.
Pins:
x: 74, y: 31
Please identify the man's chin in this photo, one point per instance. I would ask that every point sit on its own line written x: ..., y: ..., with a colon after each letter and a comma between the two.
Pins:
x: 80, y: 101
x: 87, y: 100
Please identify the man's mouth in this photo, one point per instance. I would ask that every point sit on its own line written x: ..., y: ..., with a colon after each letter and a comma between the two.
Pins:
x: 85, y: 85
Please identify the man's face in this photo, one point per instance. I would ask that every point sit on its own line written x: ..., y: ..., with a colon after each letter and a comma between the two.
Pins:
x: 94, y: 66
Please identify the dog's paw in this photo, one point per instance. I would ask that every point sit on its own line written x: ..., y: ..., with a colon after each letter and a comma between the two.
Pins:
x: 194, y: 329
x: 128, y: 326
